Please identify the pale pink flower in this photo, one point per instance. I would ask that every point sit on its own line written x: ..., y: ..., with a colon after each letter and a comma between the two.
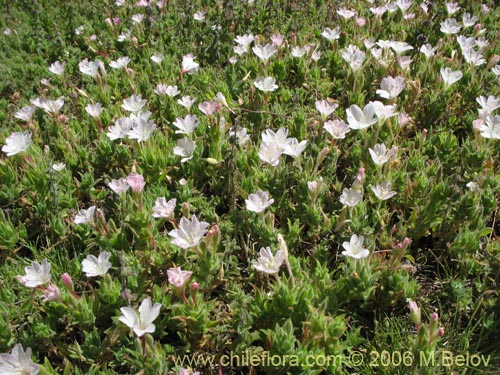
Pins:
x: 163, y: 209
x: 136, y: 182
x: 177, y: 277
x: 119, y: 186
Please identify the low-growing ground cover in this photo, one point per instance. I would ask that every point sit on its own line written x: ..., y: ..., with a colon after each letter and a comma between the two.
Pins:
x: 249, y: 187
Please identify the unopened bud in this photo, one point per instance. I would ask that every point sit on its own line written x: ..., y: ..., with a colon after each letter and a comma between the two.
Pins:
x: 321, y: 157
x: 282, y: 245
x: 195, y: 287
x: 213, y: 231
x: 414, y: 312
x: 185, y: 209
x: 67, y: 281
x: 441, y: 332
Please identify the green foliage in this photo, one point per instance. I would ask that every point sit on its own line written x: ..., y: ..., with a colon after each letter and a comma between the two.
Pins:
x: 435, y: 242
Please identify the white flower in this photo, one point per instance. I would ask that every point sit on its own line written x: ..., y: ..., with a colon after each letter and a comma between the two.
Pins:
x: 186, y: 101
x: 52, y: 106
x: 143, y: 322
x: 452, y: 8
x: 496, y: 70
x: 189, y: 234
x: 487, y: 105
x: 134, y: 104
x: 258, y: 202
x: 25, y: 113
x: 58, y: 167
x: 48, y: 105
x: 316, y: 55
x: 279, y: 138
x: 383, y: 191
x: 358, y: 118
x: 36, y: 274
x: 346, y: 13
x: 89, y: 68
x: 266, y: 84
x: 185, y: 148
x: 399, y: 47
x: 469, y: 20
x: 325, y: 108
x: 119, y: 186
x: 404, y: 5
x: 492, y: 127
x: 189, y: 65
x: 354, y: 57
x: 79, y: 30
x: 354, y: 248
x: 18, y: 362
x: 336, y: 128
x: 163, y: 209
x: 122, y: 62
x: 142, y: 128
x: 199, y: 16
x: 264, y: 52
x: 241, y: 135
x: 450, y: 26
x: 294, y: 148
x: 384, y: 112
x: 186, y: 125
x: 57, y: 67
x: 157, y: 58
x: 267, y: 262
x: 85, y: 216
x: 240, y: 50
x: 137, y: 18
x: 124, y: 35
x: 172, y: 91
x: 380, y: 155
x: 17, y: 142
x: 391, y: 87
x: 314, y: 187
x: 120, y: 129
x: 299, y: 51
x: 473, y: 186
x: 94, y: 110
x: 450, y: 77
x: 378, y: 11
x: 351, y: 197
x: 474, y: 57
x: 330, y: 34
x: 270, y: 153
x: 466, y: 43
x: 428, y: 50
x: 99, y: 266
x: 244, y: 40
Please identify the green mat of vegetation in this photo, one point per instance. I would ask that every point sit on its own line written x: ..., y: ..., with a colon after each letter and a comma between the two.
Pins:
x: 249, y: 187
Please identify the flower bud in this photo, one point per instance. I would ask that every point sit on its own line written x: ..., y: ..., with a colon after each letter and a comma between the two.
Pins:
x: 434, y: 317
x: 321, y: 157
x: 67, y: 281
x: 195, y: 287
x: 185, y: 209
x: 414, y: 312
x: 213, y: 231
